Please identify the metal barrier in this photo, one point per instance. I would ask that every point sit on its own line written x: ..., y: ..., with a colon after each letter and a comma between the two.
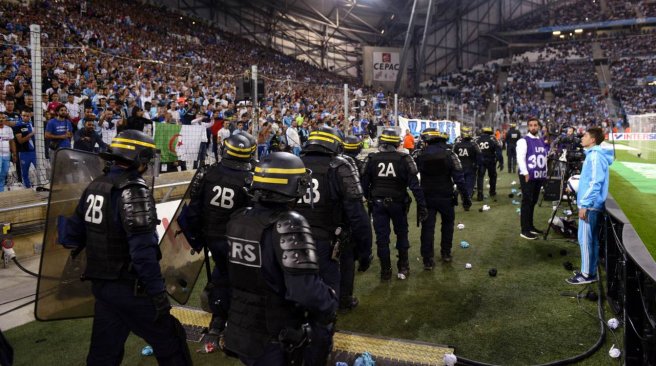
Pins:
x: 631, y: 285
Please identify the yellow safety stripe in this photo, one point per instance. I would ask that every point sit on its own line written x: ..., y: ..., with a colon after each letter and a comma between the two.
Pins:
x: 246, y: 156
x: 332, y: 141
x: 351, y: 146
x: 390, y: 138
x: 242, y: 149
x: 257, y: 178
x: 279, y: 170
x: 136, y: 142
x: 129, y: 147
x: 321, y: 133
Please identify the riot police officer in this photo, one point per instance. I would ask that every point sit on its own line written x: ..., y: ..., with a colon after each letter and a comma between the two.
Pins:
x: 439, y: 168
x: 352, y: 148
x: 512, y: 136
x: 216, y: 192
x: 116, y: 221
x: 334, y: 208
x: 470, y: 158
x: 491, y: 152
x: 386, y: 176
x: 274, y: 271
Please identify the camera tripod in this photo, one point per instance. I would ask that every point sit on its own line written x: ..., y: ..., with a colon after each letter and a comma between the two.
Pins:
x: 569, y: 170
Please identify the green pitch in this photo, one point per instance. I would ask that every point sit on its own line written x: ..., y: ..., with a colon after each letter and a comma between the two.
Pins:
x: 633, y: 185
x: 516, y: 318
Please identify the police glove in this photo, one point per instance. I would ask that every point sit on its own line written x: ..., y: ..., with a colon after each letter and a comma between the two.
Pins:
x: 364, y: 263
x: 422, y: 213
x: 162, y: 306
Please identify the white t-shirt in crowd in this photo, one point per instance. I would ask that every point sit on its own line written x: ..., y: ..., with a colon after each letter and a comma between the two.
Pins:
x: 6, y: 135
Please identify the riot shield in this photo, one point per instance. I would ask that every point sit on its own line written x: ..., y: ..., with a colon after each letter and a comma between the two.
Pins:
x: 180, y: 263
x: 60, y: 292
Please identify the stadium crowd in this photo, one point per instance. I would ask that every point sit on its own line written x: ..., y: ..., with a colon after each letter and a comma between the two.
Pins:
x: 158, y: 66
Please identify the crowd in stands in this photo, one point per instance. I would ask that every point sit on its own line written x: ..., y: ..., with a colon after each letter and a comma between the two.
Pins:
x: 471, y: 88
x: 582, y: 11
x: 563, y: 91
x: 129, y: 65
x: 631, y: 77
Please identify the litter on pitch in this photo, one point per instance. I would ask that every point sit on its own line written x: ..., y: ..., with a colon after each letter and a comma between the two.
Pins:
x: 515, y: 202
x: 460, y: 226
x: 468, y: 266
x: 464, y: 244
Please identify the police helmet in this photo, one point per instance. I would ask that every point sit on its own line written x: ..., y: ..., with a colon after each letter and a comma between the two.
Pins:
x: 325, y: 139
x: 466, y: 132
x: 249, y: 137
x: 237, y: 147
x: 132, y: 147
x: 487, y: 130
x: 352, y: 145
x: 430, y: 135
x: 513, y: 125
x: 280, y: 177
x: 390, y: 137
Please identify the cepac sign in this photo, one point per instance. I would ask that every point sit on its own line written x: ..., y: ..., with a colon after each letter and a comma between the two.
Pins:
x: 386, y: 66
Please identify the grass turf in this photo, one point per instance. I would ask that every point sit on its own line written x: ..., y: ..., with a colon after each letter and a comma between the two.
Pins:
x: 516, y: 318
x: 640, y: 208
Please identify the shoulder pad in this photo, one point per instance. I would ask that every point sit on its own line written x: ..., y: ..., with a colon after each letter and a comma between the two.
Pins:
x: 350, y: 159
x: 338, y: 160
x: 135, y: 181
x: 298, y: 253
x: 195, y: 187
x: 455, y: 160
x: 349, y: 179
x: 138, y: 209
x: 412, y: 166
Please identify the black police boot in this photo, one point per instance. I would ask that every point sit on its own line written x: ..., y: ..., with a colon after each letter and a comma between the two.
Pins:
x: 385, y: 269
x: 479, y: 197
x: 446, y: 257
x: 403, y: 265
x: 348, y: 303
x: 429, y: 263
x: 217, y: 325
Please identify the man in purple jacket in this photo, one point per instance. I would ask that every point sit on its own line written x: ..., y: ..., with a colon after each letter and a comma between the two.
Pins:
x: 532, y: 161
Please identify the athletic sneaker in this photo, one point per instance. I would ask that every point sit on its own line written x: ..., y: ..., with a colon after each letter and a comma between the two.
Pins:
x: 528, y: 235
x: 581, y: 279
x: 537, y: 231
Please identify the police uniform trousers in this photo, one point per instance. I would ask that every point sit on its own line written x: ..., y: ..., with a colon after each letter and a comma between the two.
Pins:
x: 470, y: 180
x: 490, y: 167
x: 443, y: 206
x: 383, y: 212
x: 328, y: 268
x: 118, y: 311
x: 219, y: 295
x: 346, y: 272
x: 530, y: 197
x: 512, y: 158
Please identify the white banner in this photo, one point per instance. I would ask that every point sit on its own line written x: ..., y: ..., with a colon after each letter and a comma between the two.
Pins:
x: 386, y: 66
x: 633, y: 136
x: 417, y: 125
